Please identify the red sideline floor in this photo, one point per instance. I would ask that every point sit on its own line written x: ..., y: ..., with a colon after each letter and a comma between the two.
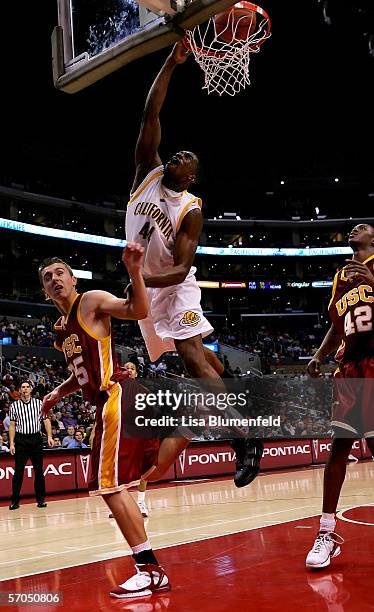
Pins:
x: 261, y: 570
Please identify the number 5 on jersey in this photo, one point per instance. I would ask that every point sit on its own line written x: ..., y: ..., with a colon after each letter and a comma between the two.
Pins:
x: 147, y: 231
x: 80, y: 371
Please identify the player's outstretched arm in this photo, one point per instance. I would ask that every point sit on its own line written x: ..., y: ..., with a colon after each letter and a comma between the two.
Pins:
x: 68, y: 386
x: 136, y: 307
x: 329, y: 344
x: 146, y: 151
x: 184, y: 252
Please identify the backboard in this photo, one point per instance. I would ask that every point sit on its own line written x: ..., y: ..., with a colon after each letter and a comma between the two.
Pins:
x: 96, y: 37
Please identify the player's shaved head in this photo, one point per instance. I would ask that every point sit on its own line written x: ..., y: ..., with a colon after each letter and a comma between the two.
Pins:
x: 369, y: 228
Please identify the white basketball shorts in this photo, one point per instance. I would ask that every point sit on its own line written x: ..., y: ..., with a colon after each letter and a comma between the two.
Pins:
x: 175, y: 314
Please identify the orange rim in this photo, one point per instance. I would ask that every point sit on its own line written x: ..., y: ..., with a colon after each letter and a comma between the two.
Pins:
x: 249, y: 6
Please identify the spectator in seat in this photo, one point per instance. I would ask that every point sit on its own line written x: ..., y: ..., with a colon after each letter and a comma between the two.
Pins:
x: 14, y: 393
x: 6, y: 421
x: 68, y: 419
x: 88, y: 435
x: 5, y: 437
x: 78, y: 441
x: 56, y: 442
x: 70, y: 437
x: 55, y: 424
x: 3, y: 447
x: 59, y: 422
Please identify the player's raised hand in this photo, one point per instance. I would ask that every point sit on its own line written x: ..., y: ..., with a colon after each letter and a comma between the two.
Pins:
x: 314, y: 368
x: 132, y: 257
x: 180, y: 53
x: 49, y: 401
x: 356, y: 268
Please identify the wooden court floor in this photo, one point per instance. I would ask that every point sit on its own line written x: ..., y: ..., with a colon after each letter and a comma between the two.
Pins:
x: 205, y: 530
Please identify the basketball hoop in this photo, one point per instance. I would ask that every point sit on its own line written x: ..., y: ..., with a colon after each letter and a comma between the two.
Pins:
x: 223, y: 44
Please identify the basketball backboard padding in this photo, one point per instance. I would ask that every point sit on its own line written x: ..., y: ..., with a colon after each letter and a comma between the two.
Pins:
x: 58, y: 64
x: 164, y: 31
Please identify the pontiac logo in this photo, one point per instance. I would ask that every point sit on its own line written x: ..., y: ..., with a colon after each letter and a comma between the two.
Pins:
x: 182, y: 460
x: 85, y: 464
x: 316, y: 448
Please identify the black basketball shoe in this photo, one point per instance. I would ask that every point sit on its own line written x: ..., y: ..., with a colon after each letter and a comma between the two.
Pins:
x: 248, y: 458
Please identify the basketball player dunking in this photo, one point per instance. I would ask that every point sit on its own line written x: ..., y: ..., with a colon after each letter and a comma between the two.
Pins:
x: 166, y: 219
x: 351, y: 312
x: 84, y: 336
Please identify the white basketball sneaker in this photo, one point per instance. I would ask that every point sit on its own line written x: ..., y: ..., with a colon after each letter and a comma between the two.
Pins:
x: 149, y: 579
x: 143, y: 508
x: 325, y: 548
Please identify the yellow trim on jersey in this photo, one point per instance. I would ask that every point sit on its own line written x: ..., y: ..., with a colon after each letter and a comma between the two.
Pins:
x: 143, y: 186
x: 108, y: 468
x: 184, y: 211
x: 105, y: 353
x: 62, y: 321
x: 69, y: 311
x: 129, y: 485
x: 344, y: 277
x: 368, y: 259
x: 104, y: 348
x: 86, y: 328
x: 340, y: 347
x: 334, y: 288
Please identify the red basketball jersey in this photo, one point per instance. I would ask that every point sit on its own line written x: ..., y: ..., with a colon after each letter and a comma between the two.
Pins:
x: 92, y: 358
x: 351, y: 311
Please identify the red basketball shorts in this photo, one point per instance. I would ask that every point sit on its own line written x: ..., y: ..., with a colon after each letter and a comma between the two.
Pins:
x: 353, y: 406
x: 117, y: 461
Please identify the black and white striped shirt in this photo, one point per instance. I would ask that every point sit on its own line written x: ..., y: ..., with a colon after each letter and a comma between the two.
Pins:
x: 27, y: 416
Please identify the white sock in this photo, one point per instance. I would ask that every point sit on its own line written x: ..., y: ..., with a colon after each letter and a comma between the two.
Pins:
x: 140, y: 547
x: 327, y: 521
x: 141, y: 496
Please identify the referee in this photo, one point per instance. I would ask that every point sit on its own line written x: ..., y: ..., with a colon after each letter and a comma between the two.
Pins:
x: 26, y: 442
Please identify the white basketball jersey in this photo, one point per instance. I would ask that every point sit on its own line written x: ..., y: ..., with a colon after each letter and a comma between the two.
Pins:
x: 153, y: 218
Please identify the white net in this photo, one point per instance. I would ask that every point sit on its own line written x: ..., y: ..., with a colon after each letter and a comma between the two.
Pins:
x: 223, y: 52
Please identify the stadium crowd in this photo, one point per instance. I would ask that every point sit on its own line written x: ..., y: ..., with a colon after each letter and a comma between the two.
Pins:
x: 273, y: 346
x: 73, y: 419
x: 22, y: 333
x: 303, y: 405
